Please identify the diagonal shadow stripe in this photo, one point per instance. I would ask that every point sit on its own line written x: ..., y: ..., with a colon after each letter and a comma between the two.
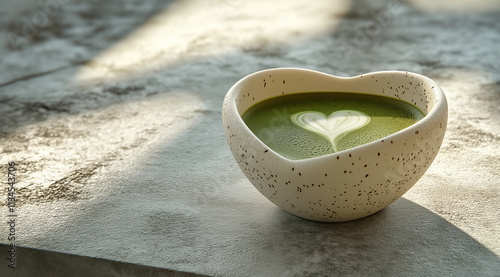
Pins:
x: 36, y: 262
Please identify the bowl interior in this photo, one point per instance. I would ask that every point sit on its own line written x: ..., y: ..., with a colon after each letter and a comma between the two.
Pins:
x: 410, y: 87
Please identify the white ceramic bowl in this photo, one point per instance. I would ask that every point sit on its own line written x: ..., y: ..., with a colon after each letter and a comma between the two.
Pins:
x: 349, y: 184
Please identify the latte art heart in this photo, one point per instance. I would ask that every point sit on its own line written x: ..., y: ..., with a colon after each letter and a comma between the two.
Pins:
x: 333, y: 127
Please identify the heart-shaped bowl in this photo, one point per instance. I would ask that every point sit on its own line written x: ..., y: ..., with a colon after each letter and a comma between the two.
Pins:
x: 348, y: 184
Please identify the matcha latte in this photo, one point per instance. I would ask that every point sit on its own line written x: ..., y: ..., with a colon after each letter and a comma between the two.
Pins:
x: 306, y: 125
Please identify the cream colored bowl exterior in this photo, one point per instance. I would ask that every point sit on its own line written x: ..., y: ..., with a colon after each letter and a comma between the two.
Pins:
x: 349, y: 184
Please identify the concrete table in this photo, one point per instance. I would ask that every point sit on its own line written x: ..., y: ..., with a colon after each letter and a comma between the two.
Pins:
x: 111, y: 113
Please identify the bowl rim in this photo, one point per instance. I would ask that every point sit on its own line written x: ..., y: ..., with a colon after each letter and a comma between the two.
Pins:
x: 439, y: 108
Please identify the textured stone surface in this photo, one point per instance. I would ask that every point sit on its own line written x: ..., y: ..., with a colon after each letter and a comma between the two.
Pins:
x: 113, y: 113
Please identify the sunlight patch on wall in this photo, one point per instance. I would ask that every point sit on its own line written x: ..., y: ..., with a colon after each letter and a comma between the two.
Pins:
x: 188, y: 30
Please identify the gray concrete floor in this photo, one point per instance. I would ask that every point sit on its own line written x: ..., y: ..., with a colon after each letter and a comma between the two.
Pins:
x: 112, y: 112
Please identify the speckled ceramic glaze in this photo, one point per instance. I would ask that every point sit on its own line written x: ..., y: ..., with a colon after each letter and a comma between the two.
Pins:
x: 349, y: 184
